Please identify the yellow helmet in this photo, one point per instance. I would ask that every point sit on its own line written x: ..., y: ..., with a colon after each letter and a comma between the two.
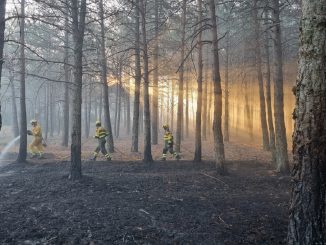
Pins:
x: 97, y: 123
x: 33, y: 121
x: 165, y: 127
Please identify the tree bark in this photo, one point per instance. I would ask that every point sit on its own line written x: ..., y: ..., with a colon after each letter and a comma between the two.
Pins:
x: 198, y: 152
x: 107, y: 117
x: 181, y: 78
x: 147, y: 117
x: 280, y: 131
x: 2, y: 38
x: 226, y: 99
x: 78, y: 30
x: 128, y: 109
x: 135, y: 118
x: 268, y: 92
x: 308, y: 199
x: 46, y: 111
x: 172, y: 105
x: 51, y: 104
x: 65, y: 135
x: 217, y: 121
x: 23, y: 121
x: 260, y: 79
x: 155, y: 77
x: 15, y: 127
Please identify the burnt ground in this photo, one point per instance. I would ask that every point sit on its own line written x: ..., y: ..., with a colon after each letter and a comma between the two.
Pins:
x: 132, y: 203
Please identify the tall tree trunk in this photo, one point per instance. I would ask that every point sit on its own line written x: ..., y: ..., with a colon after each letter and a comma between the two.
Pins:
x: 46, y: 110
x: 217, y: 121
x: 198, y: 152
x: 172, y: 105
x: 117, y: 108
x: 181, y: 77
x: 78, y: 12
x: 280, y: 131
x: 210, y: 99
x: 23, y: 121
x: 15, y: 127
x: 89, y: 110
x: 155, y: 77
x: 135, y: 119
x: 147, y: 117
x: 51, y: 104
x: 260, y: 79
x: 104, y: 74
x: 65, y: 135
x: 187, y: 108
x: 268, y: 92
x: 308, y: 200
x: 128, y: 109
x: 204, y: 98
x: 2, y: 38
x: 101, y: 102
x: 226, y: 99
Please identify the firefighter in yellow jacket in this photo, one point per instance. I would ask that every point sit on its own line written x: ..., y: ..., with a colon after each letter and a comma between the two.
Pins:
x: 168, y: 143
x: 36, y: 147
x: 100, y: 135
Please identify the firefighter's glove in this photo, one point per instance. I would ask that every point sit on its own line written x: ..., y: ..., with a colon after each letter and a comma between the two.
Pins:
x: 96, y: 137
x: 29, y: 132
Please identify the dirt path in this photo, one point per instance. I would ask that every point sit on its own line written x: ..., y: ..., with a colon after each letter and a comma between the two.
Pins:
x: 132, y: 203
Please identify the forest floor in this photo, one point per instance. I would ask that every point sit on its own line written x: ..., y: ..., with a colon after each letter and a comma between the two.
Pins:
x: 127, y: 202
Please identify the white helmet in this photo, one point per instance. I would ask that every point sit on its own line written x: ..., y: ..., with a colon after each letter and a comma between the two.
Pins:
x: 33, y: 121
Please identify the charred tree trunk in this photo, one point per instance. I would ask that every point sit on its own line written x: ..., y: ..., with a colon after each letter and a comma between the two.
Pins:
x: 65, y: 135
x: 226, y: 99
x: 308, y: 200
x: 51, y: 104
x: 2, y: 38
x: 116, y: 111
x: 280, y: 131
x: 260, y: 79
x: 172, y: 105
x: 155, y: 77
x: 187, y: 108
x: 78, y: 11
x: 268, y: 92
x: 15, y: 127
x: 181, y: 78
x: 198, y: 152
x: 135, y: 118
x: 147, y: 116
x: 101, y: 102
x: 46, y: 111
x: 204, y: 99
x: 23, y: 121
x: 217, y: 121
x: 128, y: 109
x: 107, y: 118
x: 117, y: 132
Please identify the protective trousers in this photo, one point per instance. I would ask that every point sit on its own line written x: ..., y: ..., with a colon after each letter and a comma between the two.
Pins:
x: 101, y: 147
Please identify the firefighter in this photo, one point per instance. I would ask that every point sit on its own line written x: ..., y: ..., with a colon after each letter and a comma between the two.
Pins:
x: 36, y: 147
x: 168, y: 143
x: 100, y: 134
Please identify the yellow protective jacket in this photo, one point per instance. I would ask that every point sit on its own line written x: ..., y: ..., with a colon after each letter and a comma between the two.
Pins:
x: 100, y: 133
x: 37, y: 131
x: 168, y: 137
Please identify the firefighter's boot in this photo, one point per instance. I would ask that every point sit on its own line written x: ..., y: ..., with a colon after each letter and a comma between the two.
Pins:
x: 108, y: 157
x: 41, y: 155
x: 33, y: 155
x: 177, y: 156
x: 163, y: 158
x: 94, y: 156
